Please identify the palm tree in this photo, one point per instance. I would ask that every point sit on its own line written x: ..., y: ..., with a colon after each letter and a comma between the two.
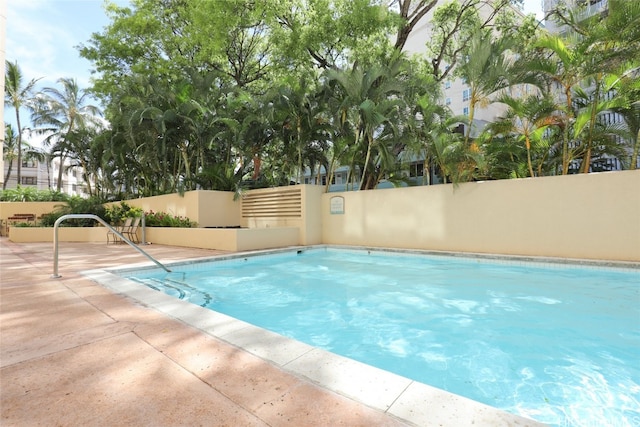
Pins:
x: 427, y: 124
x: 566, y: 66
x: 12, y: 152
x: 528, y: 118
x: 18, y: 95
x: 305, y: 128
x: 591, y: 104
x: 486, y: 69
x: 60, y: 112
x: 630, y: 112
x: 370, y: 104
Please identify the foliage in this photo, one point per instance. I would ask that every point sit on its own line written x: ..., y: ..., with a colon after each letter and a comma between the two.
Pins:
x: 18, y: 95
x: 79, y: 205
x: 31, y: 194
x: 250, y: 93
x: 49, y: 219
x: 116, y: 213
x: 75, y: 205
x: 163, y: 219
x: 23, y: 224
x: 61, y: 114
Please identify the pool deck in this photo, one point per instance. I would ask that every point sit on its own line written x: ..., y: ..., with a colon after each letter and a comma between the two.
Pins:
x: 73, y: 352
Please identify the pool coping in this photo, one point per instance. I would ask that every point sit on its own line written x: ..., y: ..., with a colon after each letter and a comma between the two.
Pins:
x: 408, y: 400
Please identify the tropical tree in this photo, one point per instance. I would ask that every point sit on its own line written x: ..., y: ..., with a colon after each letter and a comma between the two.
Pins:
x: 486, y: 69
x: 58, y: 113
x: 371, y: 104
x: 565, y: 66
x: 589, y: 129
x: 303, y: 127
x: 18, y: 95
x: 527, y: 120
x: 454, y: 25
x: 12, y: 152
x: 629, y: 110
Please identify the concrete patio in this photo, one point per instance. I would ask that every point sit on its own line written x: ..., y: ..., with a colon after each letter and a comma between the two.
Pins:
x: 73, y: 353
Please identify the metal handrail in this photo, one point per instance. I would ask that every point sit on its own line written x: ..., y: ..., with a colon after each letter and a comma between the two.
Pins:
x: 55, y: 274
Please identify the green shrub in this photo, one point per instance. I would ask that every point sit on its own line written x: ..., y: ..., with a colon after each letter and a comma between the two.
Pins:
x: 115, y: 214
x: 49, y: 219
x: 31, y: 194
x: 23, y: 224
x: 75, y: 205
x: 163, y: 219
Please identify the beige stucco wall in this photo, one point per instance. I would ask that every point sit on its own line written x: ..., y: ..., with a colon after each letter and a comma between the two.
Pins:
x: 224, y: 239
x: 309, y: 221
x: 311, y: 227
x: 207, y: 208
x: 592, y: 216
x: 8, y: 209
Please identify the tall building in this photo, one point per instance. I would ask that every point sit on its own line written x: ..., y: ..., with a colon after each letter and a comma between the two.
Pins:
x: 34, y: 173
x: 583, y: 8
x: 43, y: 175
x: 456, y: 92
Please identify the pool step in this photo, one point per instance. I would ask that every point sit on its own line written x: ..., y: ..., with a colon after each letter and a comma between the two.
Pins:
x: 176, y: 289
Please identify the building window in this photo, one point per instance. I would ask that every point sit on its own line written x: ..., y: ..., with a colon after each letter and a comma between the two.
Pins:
x: 447, y: 101
x: 28, y: 164
x: 416, y: 169
x: 447, y: 84
x: 465, y: 111
x: 29, y: 180
x: 466, y: 94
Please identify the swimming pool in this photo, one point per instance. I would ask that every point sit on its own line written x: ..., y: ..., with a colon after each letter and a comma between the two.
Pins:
x: 556, y: 343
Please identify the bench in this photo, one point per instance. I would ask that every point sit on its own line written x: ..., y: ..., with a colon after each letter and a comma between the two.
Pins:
x: 20, y: 218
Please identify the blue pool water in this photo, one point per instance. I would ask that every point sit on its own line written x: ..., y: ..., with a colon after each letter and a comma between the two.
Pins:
x: 556, y: 343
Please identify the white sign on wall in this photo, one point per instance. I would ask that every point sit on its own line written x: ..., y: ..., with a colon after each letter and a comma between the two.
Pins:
x: 337, y: 205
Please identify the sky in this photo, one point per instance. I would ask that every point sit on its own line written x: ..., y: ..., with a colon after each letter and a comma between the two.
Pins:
x: 42, y: 35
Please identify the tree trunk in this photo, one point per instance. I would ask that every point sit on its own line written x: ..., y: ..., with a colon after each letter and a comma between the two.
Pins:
x: 18, y: 178
x: 366, y: 161
x: 6, y: 179
x: 62, y: 159
x: 633, y: 164
x: 257, y: 162
x: 527, y: 143
x: 565, y: 133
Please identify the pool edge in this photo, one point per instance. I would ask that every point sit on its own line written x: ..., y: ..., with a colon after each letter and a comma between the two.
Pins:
x: 408, y: 400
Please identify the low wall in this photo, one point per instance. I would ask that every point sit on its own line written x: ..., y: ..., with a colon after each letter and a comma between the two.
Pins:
x: 233, y: 239
x: 592, y: 216
x: 9, y: 209
x: 206, y: 207
x: 65, y: 234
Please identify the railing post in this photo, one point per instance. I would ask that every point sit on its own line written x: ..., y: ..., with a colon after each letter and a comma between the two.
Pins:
x: 144, y: 230
x: 55, y: 274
